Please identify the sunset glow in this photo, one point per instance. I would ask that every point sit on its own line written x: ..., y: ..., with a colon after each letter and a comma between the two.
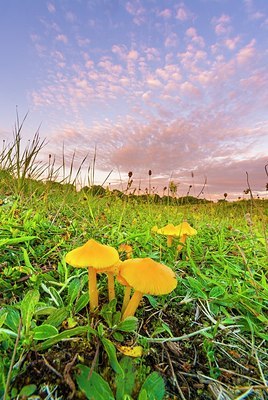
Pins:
x: 179, y: 88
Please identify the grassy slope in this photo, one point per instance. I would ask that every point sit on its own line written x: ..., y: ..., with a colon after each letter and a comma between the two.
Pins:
x: 222, y: 275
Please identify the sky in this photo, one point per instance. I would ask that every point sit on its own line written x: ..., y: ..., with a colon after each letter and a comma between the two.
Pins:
x: 176, y: 87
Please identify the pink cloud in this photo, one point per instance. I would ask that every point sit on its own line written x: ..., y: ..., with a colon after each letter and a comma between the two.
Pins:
x: 246, y: 53
x: 183, y: 14
x: 137, y: 11
x: 166, y: 13
x: 152, y: 54
x: 82, y: 42
x: 222, y: 24
x: 51, y: 8
x: 231, y: 43
x: 70, y: 16
x: 62, y: 38
x: 171, y: 40
x: 189, y: 89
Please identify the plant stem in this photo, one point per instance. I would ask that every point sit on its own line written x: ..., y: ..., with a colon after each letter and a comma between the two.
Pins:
x: 12, y: 362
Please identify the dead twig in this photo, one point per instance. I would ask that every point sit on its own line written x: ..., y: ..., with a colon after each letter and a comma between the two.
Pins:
x: 174, y: 376
x: 51, y: 368
x: 94, y: 361
x: 68, y: 378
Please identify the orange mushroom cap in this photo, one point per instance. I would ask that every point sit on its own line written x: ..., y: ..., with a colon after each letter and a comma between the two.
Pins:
x: 185, y: 229
x: 94, y: 254
x: 168, y: 230
x: 148, y: 276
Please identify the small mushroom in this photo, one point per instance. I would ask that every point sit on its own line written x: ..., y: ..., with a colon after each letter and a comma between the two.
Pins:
x: 127, y: 249
x: 97, y: 258
x: 183, y: 231
x: 145, y: 276
x: 169, y: 231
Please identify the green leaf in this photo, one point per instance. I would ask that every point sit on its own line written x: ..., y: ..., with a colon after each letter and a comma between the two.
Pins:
x: 27, y: 260
x: 128, y: 325
x: 57, y: 316
x: 12, y: 319
x: 94, y: 386
x: 143, y: 395
x: 44, y: 332
x: 57, y: 298
x: 116, y: 318
x: 27, y: 390
x: 44, y: 310
x: 53, y: 294
x: 108, y: 312
x: 125, y: 384
x: 2, y: 318
x: 118, y: 336
x: 154, y: 387
x: 197, y: 287
x: 217, y: 291
x: 7, y: 242
x: 73, y: 290
x: 152, y: 300
x: 64, y: 335
x: 27, y: 307
x: 8, y: 332
x: 81, y: 302
x: 111, y: 352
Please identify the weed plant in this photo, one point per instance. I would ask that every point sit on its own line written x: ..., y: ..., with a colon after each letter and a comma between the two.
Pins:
x: 205, y: 340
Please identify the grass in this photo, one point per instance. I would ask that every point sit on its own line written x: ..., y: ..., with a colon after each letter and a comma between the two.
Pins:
x: 205, y: 340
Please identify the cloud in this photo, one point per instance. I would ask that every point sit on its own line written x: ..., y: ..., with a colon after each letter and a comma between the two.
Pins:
x: 51, y: 8
x: 183, y: 13
x: 195, y: 38
x: 171, y: 40
x: 171, y: 151
x: 231, y: 43
x: 166, y: 13
x: 222, y: 24
x: 136, y: 9
x: 247, y: 52
x: 62, y: 38
x: 173, y: 101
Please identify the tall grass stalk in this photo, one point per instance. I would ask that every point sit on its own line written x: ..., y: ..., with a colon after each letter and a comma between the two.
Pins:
x: 21, y: 161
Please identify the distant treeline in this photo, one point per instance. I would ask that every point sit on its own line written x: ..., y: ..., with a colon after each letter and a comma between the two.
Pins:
x: 100, y: 191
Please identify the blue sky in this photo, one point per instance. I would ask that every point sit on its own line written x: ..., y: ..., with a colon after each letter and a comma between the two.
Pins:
x: 180, y: 88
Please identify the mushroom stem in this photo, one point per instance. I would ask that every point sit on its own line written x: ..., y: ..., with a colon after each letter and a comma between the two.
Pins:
x: 126, y: 298
x: 92, y: 289
x: 169, y: 240
x: 111, y: 291
x: 132, y: 305
x: 182, y: 241
x: 183, y: 238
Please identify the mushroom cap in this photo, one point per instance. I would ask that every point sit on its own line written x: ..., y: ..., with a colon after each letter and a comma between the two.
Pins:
x: 168, y: 230
x: 93, y: 254
x: 148, y: 276
x: 113, y: 268
x: 185, y: 229
x: 122, y: 280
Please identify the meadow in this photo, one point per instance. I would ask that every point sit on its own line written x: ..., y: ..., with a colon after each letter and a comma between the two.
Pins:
x: 206, y: 339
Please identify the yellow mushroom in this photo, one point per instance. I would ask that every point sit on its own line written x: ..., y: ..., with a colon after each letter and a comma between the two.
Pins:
x: 96, y: 257
x: 169, y: 231
x: 127, y: 249
x: 183, y: 231
x: 146, y: 276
